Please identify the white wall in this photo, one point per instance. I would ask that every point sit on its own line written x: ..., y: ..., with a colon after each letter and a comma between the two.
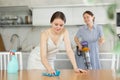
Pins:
x: 30, y: 37
x: 118, y: 4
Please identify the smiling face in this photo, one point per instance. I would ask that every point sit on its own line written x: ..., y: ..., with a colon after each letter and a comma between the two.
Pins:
x: 57, y: 25
x: 57, y: 21
x: 88, y: 19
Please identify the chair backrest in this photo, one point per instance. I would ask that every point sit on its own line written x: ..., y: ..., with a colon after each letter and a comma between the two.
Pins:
x: 115, y: 61
x: 112, y: 59
x: 118, y: 61
x: 5, y: 57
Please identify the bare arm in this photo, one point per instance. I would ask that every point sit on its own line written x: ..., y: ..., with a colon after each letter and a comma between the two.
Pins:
x: 101, y: 36
x: 43, y: 52
x: 69, y: 49
x: 70, y: 53
x: 101, y: 40
x: 77, y: 42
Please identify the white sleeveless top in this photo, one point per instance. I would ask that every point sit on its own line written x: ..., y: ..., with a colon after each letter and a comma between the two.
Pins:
x: 34, y: 60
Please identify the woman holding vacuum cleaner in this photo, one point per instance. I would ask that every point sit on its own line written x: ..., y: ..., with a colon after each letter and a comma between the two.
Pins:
x: 91, y: 36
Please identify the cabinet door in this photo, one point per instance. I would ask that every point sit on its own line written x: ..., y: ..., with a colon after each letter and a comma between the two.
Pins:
x: 98, y: 11
x: 74, y: 14
x: 42, y: 16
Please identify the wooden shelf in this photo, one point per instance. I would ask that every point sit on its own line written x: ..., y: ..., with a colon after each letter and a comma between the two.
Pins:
x: 18, y: 25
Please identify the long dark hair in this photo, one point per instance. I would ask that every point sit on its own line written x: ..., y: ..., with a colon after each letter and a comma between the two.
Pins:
x: 58, y: 14
x: 90, y: 13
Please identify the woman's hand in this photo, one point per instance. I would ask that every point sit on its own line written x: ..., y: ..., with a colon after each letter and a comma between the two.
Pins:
x: 79, y: 47
x: 51, y: 71
x: 80, y: 71
x: 101, y: 40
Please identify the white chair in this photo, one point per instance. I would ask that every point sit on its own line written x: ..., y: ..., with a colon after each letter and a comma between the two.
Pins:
x: 113, y: 60
x: 5, y: 57
x: 118, y: 61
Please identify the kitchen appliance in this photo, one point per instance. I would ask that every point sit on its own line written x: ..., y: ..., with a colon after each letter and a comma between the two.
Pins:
x: 84, y: 52
x: 118, y: 21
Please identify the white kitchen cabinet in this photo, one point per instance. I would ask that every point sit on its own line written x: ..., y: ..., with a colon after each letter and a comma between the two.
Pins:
x: 42, y: 16
x: 74, y: 14
x: 98, y: 11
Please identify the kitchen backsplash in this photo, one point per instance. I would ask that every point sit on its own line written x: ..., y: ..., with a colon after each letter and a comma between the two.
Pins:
x: 26, y: 38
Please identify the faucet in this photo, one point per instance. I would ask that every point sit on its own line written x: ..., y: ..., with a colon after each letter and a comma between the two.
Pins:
x: 13, y: 39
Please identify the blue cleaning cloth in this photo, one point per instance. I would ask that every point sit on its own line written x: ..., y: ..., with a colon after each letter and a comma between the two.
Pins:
x: 57, y: 73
